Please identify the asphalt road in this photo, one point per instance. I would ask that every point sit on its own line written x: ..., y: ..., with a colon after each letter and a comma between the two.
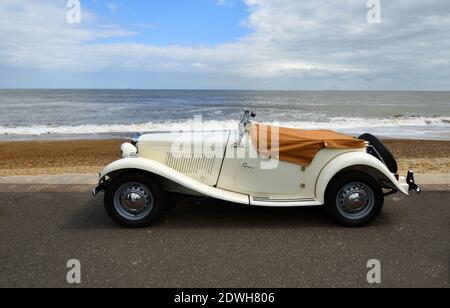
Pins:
x: 214, y: 244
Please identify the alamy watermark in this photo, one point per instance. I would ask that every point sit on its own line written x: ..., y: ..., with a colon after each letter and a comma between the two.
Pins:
x: 374, y: 13
x: 73, y: 12
x: 374, y: 274
x: 74, y: 271
x: 257, y: 143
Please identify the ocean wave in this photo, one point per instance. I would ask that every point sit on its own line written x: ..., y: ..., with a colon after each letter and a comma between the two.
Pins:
x: 333, y: 123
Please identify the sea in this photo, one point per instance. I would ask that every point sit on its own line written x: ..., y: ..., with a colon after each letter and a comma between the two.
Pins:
x: 101, y: 114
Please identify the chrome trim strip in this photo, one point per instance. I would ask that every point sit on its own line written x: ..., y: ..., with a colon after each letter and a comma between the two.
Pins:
x: 268, y: 199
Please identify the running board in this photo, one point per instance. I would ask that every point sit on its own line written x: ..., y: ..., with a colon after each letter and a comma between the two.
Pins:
x: 283, y: 202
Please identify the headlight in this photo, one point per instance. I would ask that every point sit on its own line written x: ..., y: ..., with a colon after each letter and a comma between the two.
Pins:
x: 128, y: 150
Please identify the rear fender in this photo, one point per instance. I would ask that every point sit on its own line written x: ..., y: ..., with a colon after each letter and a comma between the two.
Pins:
x: 356, y: 161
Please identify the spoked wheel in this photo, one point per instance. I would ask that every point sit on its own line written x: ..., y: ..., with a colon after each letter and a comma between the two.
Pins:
x: 354, y: 199
x: 134, y: 201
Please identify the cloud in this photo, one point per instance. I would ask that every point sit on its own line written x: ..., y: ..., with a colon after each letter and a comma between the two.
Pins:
x: 227, y: 3
x: 147, y: 25
x: 293, y: 44
x: 112, y: 7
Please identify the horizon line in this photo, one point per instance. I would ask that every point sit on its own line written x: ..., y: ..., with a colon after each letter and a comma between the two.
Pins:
x: 235, y: 90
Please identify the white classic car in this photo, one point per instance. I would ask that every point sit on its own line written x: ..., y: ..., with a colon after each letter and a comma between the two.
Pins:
x: 255, y: 165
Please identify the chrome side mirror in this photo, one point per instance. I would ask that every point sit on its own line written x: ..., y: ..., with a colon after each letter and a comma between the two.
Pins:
x: 244, y: 121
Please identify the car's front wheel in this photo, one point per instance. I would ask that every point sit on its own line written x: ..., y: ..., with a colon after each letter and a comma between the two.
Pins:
x: 134, y: 200
x: 354, y: 199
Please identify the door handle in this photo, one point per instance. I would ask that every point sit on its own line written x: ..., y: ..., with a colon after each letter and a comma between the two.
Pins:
x: 247, y: 165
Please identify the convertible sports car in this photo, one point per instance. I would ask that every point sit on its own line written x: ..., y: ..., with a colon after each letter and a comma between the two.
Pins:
x: 256, y: 165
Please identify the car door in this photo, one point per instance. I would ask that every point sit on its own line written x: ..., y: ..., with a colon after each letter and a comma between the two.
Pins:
x: 256, y: 175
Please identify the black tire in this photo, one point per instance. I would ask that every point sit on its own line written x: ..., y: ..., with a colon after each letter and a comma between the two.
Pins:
x: 336, y: 188
x: 386, y: 155
x: 158, y: 197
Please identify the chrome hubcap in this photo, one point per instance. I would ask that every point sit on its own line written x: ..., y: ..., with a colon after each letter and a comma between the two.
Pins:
x: 133, y: 201
x: 355, y: 201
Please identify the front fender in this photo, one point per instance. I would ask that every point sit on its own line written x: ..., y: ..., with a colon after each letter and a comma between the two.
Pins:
x: 358, y: 161
x: 154, y: 167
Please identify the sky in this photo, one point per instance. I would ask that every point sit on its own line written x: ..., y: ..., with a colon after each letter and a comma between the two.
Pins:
x: 226, y: 44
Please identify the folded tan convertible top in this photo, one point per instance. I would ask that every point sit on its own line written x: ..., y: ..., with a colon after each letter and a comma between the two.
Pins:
x: 300, y: 146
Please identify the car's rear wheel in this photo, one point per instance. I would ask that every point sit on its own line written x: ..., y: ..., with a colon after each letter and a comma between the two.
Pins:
x: 354, y: 199
x: 134, y: 200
